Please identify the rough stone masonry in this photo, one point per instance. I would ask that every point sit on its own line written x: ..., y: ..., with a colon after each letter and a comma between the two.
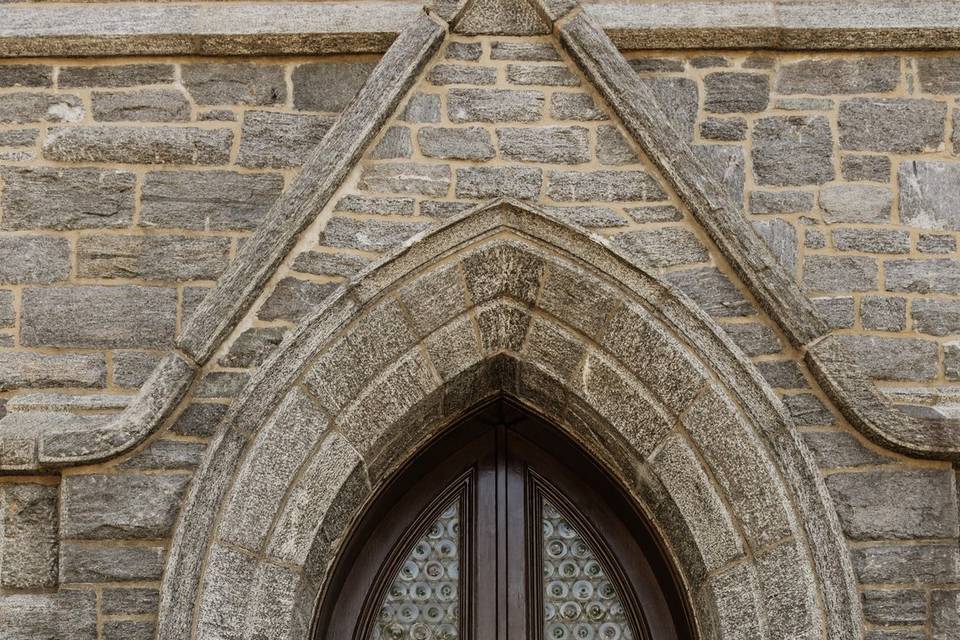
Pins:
x: 129, y: 185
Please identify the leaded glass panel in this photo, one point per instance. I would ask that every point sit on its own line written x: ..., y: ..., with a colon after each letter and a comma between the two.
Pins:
x: 579, y: 601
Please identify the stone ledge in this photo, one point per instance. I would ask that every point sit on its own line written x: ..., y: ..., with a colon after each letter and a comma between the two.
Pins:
x: 301, y: 28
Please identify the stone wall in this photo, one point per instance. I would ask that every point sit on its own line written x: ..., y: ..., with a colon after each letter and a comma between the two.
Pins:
x: 128, y: 185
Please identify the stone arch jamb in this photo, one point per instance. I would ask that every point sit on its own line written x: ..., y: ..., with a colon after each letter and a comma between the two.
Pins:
x: 507, y: 300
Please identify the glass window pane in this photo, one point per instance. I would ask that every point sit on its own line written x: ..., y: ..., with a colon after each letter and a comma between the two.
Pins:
x: 579, y: 602
x: 422, y: 603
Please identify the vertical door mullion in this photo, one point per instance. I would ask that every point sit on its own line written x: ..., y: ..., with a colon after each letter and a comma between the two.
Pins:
x: 483, y: 573
x: 516, y: 530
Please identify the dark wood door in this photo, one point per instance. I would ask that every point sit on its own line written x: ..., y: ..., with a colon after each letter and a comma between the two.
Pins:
x: 502, y: 530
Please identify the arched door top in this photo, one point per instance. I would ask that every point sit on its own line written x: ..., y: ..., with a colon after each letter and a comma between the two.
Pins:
x: 507, y: 300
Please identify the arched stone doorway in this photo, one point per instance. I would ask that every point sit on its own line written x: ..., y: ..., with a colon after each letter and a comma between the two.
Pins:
x: 508, y: 301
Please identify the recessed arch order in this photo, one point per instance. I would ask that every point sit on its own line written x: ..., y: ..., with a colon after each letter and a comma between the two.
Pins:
x: 508, y: 301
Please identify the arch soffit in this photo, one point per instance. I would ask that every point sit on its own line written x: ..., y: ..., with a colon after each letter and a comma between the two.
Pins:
x: 507, y: 299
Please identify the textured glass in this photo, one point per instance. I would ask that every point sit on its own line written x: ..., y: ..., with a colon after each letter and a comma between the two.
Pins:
x: 423, y: 601
x: 579, y: 602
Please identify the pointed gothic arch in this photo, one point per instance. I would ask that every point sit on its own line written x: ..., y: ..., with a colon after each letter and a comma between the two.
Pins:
x: 506, y: 300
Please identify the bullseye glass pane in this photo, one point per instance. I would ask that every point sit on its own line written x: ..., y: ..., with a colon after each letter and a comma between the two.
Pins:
x: 422, y: 603
x: 579, y: 601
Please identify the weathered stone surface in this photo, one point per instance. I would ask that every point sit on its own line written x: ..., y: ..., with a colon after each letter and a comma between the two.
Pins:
x: 782, y: 374
x: 865, y: 168
x: 945, y: 614
x: 532, y: 51
x: 113, y: 563
x: 455, y: 143
x: 895, y: 504
x: 121, y: 75
x: 207, y: 200
x: 444, y: 210
x: 655, y: 213
x: 501, y: 17
x: 422, y: 108
x: 271, y: 139
x: 939, y: 74
x: 789, y: 598
x: 839, y: 273
x: 575, y: 106
x: 895, y: 606
x: 781, y: 238
x: 806, y: 409
x: 235, y: 83
x: 613, y: 148
x: 166, y: 455
x: 99, y: 316
x: 443, y: 74
x: 732, y: 92
x: 554, y: 75
x: 33, y: 259
x: 872, y: 240
x: 828, y: 76
x: 139, y: 145
x: 900, y: 125
x: 493, y: 182
x: 753, y: 338
x: 855, y: 203
x: 329, y: 264
x: 814, y: 238
x: 28, y: 536
x: 893, y: 358
x: 492, y: 271
x: 936, y: 243
x: 129, y: 630
x: 65, y: 615
x: 839, y: 449
x: 883, y: 313
x: 326, y: 86
x: 666, y: 247
x: 18, y: 137
x: 589, y: 216
x: 930, y: 194
x: 936, y: 317
x: 48, y: 198
x: 606, y: 186
x: 792, y: 150
x: 199, y: 419
x: 26, y: 107
x: 502, y: 326
x: 8, y: 314
x: 36, y: 370
x: 922, y: 276
x: 395, y: 143
x: 252, y: 347
x: 646, y: 65
x: 494, y: 105
x: 406, y: 177
x: 293, y: 298
x: 369, y: 234
x: 780, y: 202
x: 129, y: 601
x: 552, y: 145
x: 434, y: 299
x: 191, y: 299
x: 907, y: 563
x: 152, y: 257
x: 712, y: 291
x: 26, y: 75
x: 707, y: 61
x: 679, y: 99
x: 145, y: 105
x: 127, y: 506
x: 378, y: 206
x: 724, y: 129
x: 221, y: 384
x: 463, y: 51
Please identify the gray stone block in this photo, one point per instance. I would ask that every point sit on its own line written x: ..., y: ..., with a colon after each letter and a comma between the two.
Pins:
x: 807, y: 410
x: 221, y: 384
x: 65, y: 615
x: 883, y: 313
x: 199, y: 419
x: 552, y: 75
x: 494, y: 182
x: 207, y: 200
x: 895, y: 504
x: 865, y: 168
x: 855, y: 203
x: 277, y: 140
x: 28, y: 536
x: 499, y: 17
x: 575, y: 106
x: 328, y: 86
x: 129, y: 630
x: 444, y: 210
x: 166, y: 455
x: 936, y: 317
x: 944, y: 614
x: 23, y: 370
x: 377, y: 206
x: 26, y: 75
x: 781, y: 238
x: 115, y: 75
x: 659, y: 65
x: 221, y: 83
x: 589, y: 217
x: 895, y: 606
x: 780, y: 202
x: 434, y: 299
x: 893, y: 358
x: 712, y: 291
x: 48, y: 198
x: 34, y: 259
x: 369, y: 234
x: 753, y: 338
x: 930, y: 194
x: 139, y: 145
x: 922, y: 276
x: 406, y: 177
x: 605, y: 186
x: 872, y: 240
x: 906, y: 563
x: 679, y: 100
x: 724, y: 129
x: 252, y: 347
x: 98, y: 316
x: 502, y: 326
x: 789, y: 599
x: 828, y: 76
x: 422, y: 108
x: 732, y: 92
x: 665, y: 247
x: 899, y: 125
x: 782, y: 374
x: 839, y: 273
x: 613, y: 148
x: 395, y: 143
x: 792, y: 150
x: 840, y: 449
x: 530, y: 51
x: 19, y: 137
x: 655, y: 213
x: 551, y: 145
x: 293, y: 299
x: 455, y: 143
x: 329, y: 264
x: 936, y: 243
x: 27, y: 107
x: 152, y: 257
x: 98, y: 507
x: 443, y: 74
x: 81, y: 563
x: 939, y: 74
x: 707, y: 61
x: 8, y: 314
x: 463, y: 51
x: 814, y: 239
x: 145, y: 105
x: 494, y: 105
x: 492, y: 272
x: 132, y: 601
